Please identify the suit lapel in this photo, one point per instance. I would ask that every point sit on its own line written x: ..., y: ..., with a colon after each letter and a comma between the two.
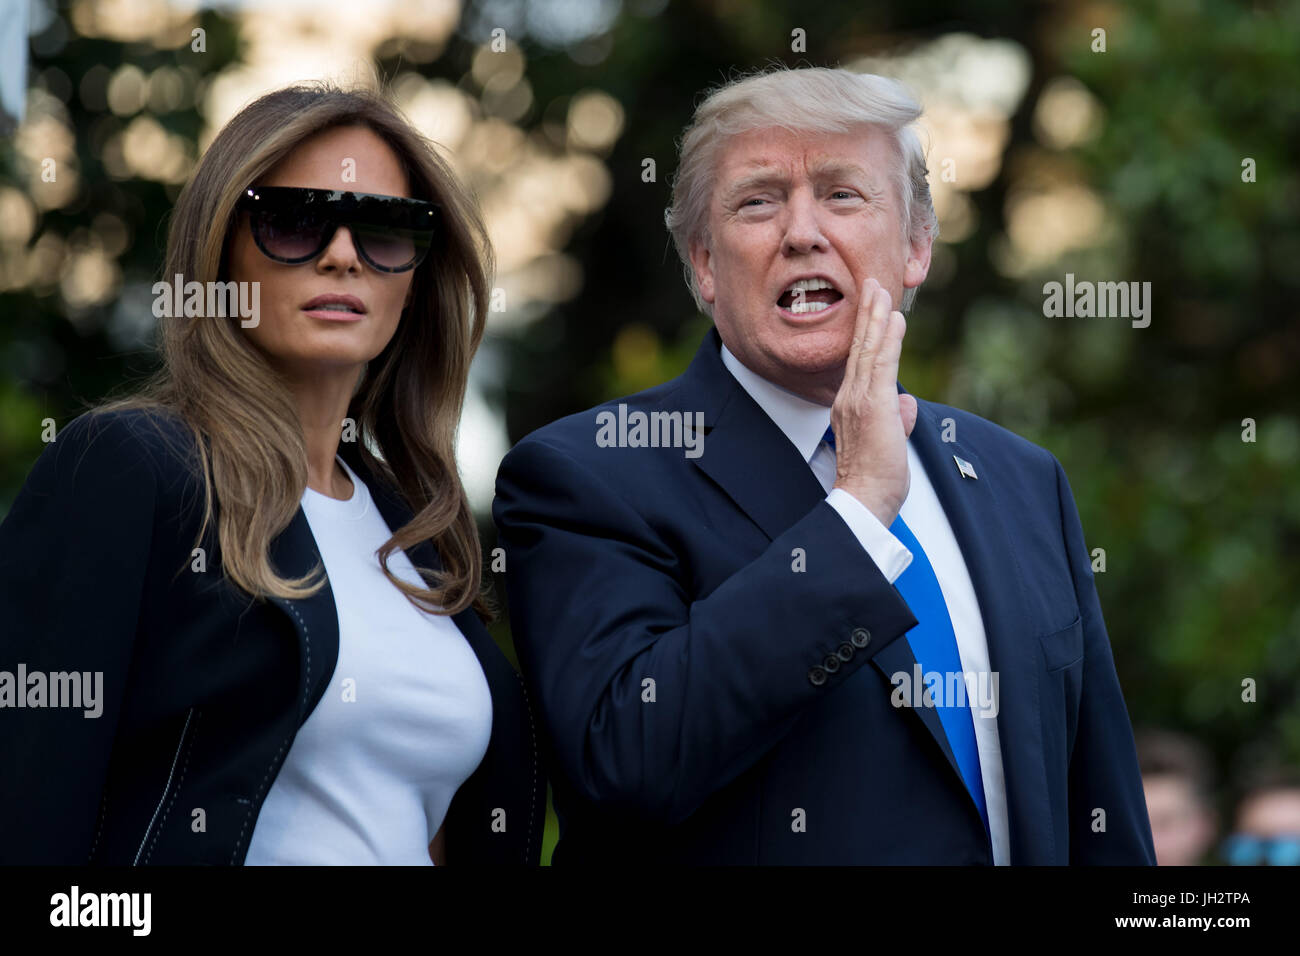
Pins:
x: 315, y: 618
x: 979, y: 523
x: 750, y: 458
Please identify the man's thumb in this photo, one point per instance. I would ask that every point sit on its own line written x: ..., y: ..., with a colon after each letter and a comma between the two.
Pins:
x: 907, y: 408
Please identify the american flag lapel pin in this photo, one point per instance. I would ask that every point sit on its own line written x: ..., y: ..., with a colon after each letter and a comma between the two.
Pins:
x: 965, y: 468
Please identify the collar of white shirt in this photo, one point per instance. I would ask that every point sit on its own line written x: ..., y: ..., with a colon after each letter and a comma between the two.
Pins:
x: 801, y: 421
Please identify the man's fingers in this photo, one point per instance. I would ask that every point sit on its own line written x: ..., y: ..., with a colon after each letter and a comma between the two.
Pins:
x: 884, y: 373
x: 861, y: 323
x: 862, y: 320
x: 877, y: 325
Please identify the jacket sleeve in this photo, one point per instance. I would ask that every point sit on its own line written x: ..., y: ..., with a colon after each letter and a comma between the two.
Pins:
x: 654, y: 700
x: 74, y: 550
x: 1103, y: 761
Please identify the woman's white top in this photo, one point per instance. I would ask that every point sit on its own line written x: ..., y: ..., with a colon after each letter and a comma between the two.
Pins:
x: 405, y: 719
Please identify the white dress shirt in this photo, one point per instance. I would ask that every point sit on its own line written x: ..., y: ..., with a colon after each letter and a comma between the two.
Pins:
x: 805, y: 424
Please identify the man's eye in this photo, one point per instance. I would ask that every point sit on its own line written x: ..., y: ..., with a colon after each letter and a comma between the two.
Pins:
x: 847, y: 193
x: 754, y: 200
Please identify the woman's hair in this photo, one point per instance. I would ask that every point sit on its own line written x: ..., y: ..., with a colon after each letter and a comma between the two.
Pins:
x: 808, y: 100
x: 408, y: 404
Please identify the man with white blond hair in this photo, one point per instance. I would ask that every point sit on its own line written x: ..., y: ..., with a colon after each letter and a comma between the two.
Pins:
x: 851, y: 625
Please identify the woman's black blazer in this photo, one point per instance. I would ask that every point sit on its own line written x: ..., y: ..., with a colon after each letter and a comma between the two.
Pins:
x: 204, y: 688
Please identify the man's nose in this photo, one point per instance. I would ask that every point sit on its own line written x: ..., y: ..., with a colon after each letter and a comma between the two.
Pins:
x: 803, y: 230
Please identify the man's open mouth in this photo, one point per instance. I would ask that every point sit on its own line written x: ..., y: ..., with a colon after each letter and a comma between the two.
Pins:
x: 807, y: 296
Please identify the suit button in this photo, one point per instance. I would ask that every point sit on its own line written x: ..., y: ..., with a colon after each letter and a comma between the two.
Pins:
x: 845, y: 652
x: 817, y: 677
x: 860, y: 637
x: 831, y: 663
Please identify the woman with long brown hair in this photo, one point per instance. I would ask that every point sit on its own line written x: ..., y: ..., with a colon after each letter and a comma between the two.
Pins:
x: 262, y: 570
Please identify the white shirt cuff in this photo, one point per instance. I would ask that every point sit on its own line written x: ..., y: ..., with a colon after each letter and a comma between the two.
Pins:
x: 891, y: 557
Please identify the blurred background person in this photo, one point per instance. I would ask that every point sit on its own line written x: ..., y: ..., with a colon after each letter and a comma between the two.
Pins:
x: 1266, y: 824
x: 1177, y: 776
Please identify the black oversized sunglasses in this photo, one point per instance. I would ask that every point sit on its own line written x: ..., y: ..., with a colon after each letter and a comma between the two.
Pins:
x: 294, y: 225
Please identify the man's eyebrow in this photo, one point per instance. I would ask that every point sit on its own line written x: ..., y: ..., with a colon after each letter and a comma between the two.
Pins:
x: 763, y: 175
x: 836, y: 168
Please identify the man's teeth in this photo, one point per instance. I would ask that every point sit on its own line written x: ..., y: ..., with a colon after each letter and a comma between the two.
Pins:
x: 801, y: 302
x: 808, y: 285
x: 800, y: 306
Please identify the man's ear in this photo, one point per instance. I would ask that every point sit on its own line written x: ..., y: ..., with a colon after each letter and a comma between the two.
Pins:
x: 918, y: 263
x: 702, y: 263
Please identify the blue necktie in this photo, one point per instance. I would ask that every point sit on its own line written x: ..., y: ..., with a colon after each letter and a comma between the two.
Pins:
x: 935, y: 647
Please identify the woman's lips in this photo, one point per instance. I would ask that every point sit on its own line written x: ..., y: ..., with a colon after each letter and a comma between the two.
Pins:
x: 334, y: 315
x: 335, y: 307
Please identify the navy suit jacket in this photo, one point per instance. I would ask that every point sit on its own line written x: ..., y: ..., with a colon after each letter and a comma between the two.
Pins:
x: 707, y: 702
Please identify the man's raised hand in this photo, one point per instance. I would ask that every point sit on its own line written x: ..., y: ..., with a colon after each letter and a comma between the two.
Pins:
x: 871, y: 419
